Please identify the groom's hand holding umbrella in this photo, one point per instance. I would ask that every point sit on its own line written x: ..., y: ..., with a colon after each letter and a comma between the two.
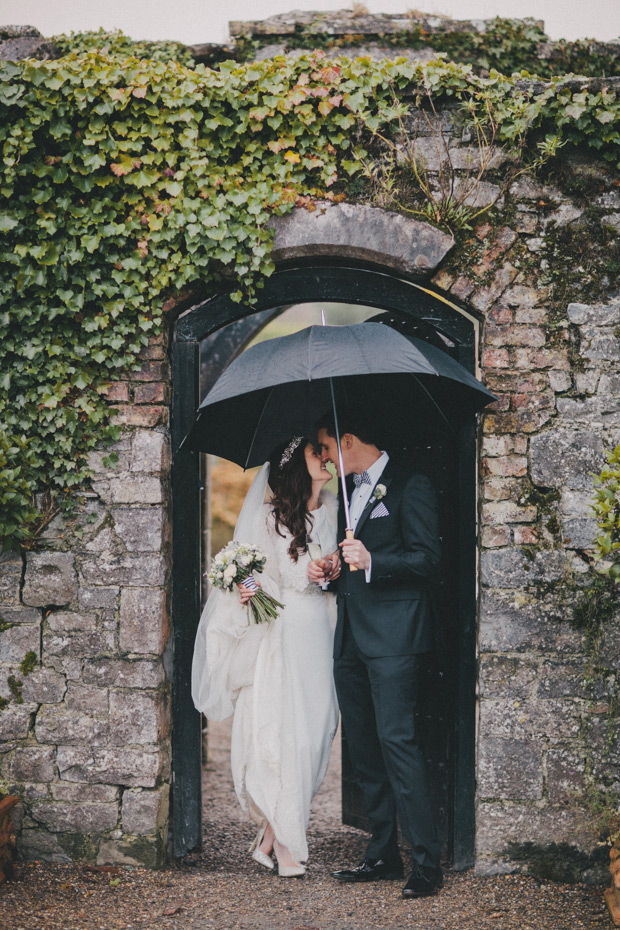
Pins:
x: 355, y: 553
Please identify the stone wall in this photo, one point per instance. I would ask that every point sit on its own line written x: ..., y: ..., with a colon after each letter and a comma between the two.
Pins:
x: 85, y: 736
x: 546, y: 697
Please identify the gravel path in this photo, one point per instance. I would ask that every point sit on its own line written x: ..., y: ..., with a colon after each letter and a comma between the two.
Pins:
x: 222, y: 889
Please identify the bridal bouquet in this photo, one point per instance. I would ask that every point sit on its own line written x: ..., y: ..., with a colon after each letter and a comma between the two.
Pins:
x: 233, y: 565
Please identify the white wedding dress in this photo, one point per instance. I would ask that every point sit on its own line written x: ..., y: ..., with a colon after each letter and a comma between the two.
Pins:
x: 277, y: 677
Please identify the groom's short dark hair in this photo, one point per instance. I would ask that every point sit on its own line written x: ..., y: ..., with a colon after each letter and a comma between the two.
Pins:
x: 352, y: 420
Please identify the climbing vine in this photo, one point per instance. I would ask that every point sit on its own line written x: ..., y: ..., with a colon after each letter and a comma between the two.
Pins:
x: 126, y: 180
x: 118, y: 44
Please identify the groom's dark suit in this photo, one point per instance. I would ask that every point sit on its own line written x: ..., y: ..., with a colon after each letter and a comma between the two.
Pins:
x: 383, y: 633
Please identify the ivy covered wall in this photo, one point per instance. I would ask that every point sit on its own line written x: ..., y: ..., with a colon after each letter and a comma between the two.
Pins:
x: 130, y: 186
x: 127, y: 181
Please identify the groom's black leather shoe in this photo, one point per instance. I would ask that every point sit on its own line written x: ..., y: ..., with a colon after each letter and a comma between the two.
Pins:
x: 371, y: 870
x: 423, y: 882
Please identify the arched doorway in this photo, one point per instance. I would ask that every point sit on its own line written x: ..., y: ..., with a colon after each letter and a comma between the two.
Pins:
x: 416, y: 309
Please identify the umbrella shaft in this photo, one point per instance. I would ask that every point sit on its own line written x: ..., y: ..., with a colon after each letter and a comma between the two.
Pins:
x: 349, y: 535
x: 345, y: 498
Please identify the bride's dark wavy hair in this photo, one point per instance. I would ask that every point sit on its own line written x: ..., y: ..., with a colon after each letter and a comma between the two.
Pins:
x: 292, y: 486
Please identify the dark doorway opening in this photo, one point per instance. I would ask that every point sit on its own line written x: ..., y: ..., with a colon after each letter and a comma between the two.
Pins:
x: 448, y: 717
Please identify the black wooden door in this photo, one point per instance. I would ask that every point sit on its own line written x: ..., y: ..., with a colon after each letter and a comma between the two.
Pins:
x: 448, y: 720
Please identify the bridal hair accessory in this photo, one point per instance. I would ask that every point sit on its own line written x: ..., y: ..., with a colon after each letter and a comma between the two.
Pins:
x: 233, y: 565
x: 288, y: 452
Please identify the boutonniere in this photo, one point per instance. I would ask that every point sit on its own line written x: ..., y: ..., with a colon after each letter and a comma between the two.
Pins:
x: 379, y: 492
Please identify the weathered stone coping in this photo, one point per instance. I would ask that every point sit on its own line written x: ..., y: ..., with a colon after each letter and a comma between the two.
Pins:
x: 592, y: 84
x: 19, y: 42
x: 362, y: 28
x: 347, y: 22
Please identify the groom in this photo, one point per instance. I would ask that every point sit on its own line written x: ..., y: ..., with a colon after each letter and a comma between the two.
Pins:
x: 383, y: 637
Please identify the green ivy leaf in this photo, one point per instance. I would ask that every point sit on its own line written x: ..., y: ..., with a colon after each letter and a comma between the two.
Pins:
x: 7, y: 223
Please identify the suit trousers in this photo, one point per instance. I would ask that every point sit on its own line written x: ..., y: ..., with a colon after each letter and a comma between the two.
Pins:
x: 378, y: 699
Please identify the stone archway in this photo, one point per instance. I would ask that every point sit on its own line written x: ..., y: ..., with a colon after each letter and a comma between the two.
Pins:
x: 324, y: 257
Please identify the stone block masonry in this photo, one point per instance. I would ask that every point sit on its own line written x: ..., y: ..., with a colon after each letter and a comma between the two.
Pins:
x: 554, y: 368
x: 86, y: 734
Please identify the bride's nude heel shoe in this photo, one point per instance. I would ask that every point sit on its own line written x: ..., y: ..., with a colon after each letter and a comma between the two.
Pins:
x: 288, y: 871
x: 257, y: 854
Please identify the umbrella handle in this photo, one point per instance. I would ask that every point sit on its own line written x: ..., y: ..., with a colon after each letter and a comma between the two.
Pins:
x: 350, y: 535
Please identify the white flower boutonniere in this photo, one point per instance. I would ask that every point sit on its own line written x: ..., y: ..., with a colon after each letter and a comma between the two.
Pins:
x: 379, y: 492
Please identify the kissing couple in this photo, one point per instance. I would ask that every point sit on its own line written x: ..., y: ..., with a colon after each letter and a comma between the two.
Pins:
x: 354, y: 631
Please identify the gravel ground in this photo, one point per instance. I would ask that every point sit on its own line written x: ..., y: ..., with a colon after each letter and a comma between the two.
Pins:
x: 221, y: 888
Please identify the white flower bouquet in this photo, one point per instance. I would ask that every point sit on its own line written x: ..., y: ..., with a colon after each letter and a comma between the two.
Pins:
x: 233, y: 565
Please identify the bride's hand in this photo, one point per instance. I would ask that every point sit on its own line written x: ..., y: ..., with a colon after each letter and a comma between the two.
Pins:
x: 324, y: 569
x: 336, y: 566
x: 247, y: 593
x: 316, y: 571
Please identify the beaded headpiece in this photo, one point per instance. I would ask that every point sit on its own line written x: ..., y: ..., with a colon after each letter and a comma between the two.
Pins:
x: 288, y: 452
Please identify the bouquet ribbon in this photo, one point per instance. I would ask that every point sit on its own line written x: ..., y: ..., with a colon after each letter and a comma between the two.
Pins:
x: 264, y: 607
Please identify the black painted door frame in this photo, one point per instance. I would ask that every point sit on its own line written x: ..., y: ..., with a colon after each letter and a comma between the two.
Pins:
x: 297, y: 285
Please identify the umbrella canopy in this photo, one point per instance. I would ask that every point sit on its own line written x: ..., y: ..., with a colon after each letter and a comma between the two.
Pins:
x: 279, y: 387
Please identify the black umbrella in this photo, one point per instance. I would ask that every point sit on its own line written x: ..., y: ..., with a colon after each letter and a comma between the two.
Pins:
x: 278, y: 388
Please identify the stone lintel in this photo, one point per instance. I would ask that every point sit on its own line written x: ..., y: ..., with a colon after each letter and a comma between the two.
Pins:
x: 368, y: 234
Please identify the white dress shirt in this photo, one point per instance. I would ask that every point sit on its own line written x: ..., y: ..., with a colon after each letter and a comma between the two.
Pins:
x: 361, y: 496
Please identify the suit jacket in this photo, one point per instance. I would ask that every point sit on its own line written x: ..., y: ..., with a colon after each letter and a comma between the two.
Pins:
x: 392, y: 614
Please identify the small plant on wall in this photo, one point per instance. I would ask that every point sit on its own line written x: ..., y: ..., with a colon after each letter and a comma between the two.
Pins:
x: 416, y: 172
x: 607, y: 513
x: 605, y: 804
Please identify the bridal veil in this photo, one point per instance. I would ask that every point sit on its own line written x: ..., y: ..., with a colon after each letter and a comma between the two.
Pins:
x: 227, y: 641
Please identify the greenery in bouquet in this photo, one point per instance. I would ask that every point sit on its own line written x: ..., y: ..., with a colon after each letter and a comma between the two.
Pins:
x: 235, y: 564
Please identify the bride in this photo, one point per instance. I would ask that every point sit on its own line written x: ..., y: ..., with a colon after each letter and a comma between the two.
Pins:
x: 277, y: 677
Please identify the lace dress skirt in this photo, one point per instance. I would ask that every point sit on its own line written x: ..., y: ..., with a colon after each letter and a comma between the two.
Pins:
x: 285, y: 721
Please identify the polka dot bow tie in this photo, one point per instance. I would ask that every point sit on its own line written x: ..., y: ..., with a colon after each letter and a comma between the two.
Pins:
x: 364, y: 478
